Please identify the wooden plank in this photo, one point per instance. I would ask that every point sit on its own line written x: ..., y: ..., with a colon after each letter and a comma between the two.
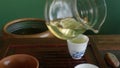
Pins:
x: 107, y: 42
x: 102, y: 64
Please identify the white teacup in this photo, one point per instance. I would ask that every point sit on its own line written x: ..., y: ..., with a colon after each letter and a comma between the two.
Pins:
x: 86, y: 65
x: 77, y: 46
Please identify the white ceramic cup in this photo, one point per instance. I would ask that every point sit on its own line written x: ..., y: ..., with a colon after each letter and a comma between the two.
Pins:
x: 77, y: 46
x: 86, y: 65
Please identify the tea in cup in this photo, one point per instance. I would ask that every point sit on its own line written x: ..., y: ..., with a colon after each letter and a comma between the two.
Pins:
x: 77, y: 46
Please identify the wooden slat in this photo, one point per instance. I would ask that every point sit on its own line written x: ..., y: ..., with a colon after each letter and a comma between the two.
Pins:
x: 102, y: 64
x: 107, y: 42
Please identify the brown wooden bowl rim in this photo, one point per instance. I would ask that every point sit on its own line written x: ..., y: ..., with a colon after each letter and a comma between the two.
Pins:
x: 22, y: 20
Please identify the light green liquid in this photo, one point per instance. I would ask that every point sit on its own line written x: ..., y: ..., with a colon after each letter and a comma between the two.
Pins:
x: 67, y: 28
x: 78, y: 40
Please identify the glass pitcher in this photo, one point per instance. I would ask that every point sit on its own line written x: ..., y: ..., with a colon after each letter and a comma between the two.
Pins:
x: 66, y: 19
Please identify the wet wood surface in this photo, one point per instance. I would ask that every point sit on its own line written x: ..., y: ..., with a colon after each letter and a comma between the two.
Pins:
x: 53, y: 53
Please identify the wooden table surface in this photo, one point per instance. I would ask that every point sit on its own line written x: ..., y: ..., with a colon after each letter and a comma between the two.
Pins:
x: 108, y: 43
x: 104, y: 43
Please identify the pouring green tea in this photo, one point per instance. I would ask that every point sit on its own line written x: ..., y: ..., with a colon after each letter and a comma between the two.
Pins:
x: 66, y: 19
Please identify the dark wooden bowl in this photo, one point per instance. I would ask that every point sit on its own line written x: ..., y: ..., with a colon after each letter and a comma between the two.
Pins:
x: 19, y: 61
x: 26, y: 28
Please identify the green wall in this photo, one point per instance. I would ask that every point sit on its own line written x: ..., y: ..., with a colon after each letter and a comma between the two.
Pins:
x: 112, y: 23
x: 14, y: 9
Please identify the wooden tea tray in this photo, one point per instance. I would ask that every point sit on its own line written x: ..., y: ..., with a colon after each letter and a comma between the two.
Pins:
x: 51, y: 52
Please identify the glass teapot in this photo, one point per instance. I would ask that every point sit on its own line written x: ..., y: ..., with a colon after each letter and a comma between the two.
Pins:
x: 66, y: 19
